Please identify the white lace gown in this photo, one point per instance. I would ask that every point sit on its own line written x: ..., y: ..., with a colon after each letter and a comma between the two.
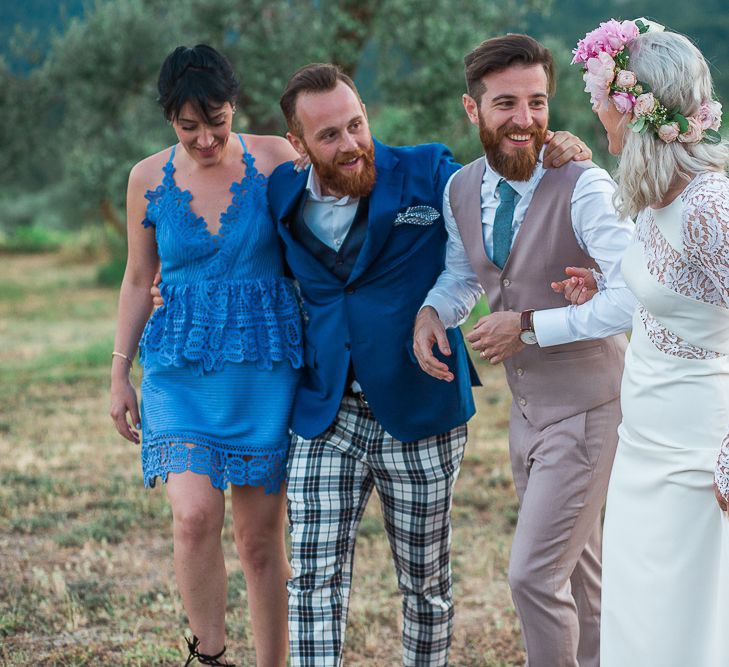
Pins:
x: 666, y: 542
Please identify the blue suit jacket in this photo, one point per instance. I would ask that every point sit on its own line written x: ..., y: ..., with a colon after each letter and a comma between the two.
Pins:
x: 369, y: 318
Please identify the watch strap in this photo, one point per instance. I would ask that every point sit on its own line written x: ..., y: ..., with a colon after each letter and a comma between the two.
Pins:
x: 527, y: 320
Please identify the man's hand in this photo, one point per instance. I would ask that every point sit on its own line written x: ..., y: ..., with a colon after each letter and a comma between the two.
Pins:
x: 301, y: 163
x: 429, y: 330
x: 157, y: 299
x: 561, y: 147
x: 496, y: 336
x: 579, y: 287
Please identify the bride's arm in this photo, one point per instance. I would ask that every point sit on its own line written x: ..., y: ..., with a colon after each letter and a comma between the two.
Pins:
x: 706, y: 240
x: 721, y: 476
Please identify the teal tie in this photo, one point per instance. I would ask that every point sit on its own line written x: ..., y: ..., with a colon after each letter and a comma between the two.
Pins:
x: 503, y: 230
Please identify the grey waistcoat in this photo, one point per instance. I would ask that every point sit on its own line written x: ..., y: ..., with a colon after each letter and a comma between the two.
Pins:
x: 553, y: 383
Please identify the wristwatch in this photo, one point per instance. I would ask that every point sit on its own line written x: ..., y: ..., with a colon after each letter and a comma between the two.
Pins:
x: 527, y: 335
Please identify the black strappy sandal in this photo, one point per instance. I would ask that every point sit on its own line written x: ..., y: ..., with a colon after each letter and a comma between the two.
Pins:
x: 202, y: 658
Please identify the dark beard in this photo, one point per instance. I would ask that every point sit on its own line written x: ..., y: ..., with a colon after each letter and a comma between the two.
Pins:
x: 519, y: 166
x: 357, y: 184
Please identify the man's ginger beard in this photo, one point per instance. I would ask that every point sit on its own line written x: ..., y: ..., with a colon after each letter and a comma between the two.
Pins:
x: 355, y: 184
x: 519, y: 165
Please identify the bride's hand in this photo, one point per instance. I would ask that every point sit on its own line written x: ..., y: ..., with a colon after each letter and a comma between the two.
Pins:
x: 562, y: 146
x: 579, y: 288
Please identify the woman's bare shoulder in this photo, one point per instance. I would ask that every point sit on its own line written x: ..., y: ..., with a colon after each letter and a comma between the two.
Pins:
x: 147, y: 173
x: 269, y: 150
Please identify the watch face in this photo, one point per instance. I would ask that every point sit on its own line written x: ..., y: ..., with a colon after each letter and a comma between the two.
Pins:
x: 528, y: 337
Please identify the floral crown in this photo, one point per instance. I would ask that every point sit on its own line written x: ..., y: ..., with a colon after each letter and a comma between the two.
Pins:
x: 607, y: 75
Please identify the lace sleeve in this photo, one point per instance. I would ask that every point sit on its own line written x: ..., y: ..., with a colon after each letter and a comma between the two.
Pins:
x: 721, y: 474
x: 706, y: 237
x: 600, y: 280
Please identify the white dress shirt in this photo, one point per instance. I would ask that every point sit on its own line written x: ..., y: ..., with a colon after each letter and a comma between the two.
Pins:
x: 599, y: 231
x: 328, y: 217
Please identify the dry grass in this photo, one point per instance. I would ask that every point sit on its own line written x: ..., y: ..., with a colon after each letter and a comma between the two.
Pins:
x: 85, y: 552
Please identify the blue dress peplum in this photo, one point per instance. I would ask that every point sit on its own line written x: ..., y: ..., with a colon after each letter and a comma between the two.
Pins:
x: 221, y: 355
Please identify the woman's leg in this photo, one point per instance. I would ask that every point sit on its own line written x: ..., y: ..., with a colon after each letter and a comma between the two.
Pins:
x: 198, y: 510
x: 259, y: 523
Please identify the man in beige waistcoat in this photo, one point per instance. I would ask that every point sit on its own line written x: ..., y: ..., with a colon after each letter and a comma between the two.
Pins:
x: 513, y: 226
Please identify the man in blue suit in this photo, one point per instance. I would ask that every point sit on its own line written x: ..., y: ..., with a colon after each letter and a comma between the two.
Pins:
x: 363, y: 234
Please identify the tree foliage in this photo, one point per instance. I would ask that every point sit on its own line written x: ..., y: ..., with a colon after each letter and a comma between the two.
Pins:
x: 421, y: 66
x: 92, y: 97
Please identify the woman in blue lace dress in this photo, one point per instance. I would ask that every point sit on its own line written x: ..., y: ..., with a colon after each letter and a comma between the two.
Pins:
x: 220, y: 356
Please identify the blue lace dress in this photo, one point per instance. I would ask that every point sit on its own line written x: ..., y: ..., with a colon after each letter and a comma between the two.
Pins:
x: 220, y: 356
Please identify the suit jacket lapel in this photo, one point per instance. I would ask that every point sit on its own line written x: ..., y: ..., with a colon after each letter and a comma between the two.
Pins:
x: 299, y: 255
x: 383, y: 207
x: 290, y: 207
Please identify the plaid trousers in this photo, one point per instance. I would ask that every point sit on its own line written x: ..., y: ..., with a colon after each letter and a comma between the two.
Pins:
x: 330, y: 479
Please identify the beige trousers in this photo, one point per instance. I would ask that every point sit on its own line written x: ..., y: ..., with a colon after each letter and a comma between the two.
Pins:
x: 561, y: 476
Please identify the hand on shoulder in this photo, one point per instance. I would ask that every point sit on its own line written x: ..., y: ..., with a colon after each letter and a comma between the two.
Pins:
x: 563, y: 147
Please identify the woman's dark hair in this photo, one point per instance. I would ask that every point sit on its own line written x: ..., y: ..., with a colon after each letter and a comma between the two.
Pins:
x: 199, y: 75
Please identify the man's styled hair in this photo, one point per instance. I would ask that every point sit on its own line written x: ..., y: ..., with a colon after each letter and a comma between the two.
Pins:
x: 499, y: 53
x: 313, y: 78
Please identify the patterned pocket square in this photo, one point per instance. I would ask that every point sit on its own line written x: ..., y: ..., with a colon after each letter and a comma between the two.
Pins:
x: 417, y: 215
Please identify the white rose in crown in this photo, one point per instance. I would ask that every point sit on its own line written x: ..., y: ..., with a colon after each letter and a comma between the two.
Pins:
x: 644, y: 104
x: 626, y: 79
x: 669, y: 132
x: 651, y: 25
x: 693, y: 134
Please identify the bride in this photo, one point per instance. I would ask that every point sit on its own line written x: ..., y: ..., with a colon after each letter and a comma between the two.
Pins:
x: 666, y: 543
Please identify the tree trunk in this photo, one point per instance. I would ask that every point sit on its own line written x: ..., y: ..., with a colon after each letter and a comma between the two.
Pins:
x: 110, y: 217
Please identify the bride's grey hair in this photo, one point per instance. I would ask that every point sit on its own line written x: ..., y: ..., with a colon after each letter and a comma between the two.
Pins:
x: 679, y: 78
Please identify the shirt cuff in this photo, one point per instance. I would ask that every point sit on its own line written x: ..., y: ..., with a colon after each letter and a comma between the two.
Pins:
x: 443, y: 308
x: 551, y: 327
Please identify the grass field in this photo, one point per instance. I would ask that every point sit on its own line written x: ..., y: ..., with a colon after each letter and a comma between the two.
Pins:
x: 86, y: 553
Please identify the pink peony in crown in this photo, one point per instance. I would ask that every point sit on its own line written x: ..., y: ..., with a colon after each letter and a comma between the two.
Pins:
x: 605, y: 59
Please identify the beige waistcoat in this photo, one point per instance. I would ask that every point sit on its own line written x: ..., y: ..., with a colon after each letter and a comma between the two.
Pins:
x: 553, y: 383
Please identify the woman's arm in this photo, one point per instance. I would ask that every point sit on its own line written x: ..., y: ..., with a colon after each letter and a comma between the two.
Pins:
x: 135, y: 303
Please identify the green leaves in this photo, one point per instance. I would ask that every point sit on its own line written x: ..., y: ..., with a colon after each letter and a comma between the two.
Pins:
x: 711, y: 137
x: 637, y: 125
x: 683, y: 124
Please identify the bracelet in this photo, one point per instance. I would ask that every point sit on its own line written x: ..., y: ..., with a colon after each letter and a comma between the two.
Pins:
x: 122, y: 356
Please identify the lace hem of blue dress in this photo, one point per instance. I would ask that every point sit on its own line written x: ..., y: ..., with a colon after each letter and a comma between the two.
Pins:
x: 205, y: 325
x: 178, y: 453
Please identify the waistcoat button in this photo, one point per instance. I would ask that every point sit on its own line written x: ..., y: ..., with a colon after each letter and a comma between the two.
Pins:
x: 522, y: 401
x: 520, y: 371
x: 506, y: 282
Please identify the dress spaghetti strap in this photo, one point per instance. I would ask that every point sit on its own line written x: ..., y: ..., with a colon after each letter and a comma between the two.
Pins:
x: 248, y: 159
